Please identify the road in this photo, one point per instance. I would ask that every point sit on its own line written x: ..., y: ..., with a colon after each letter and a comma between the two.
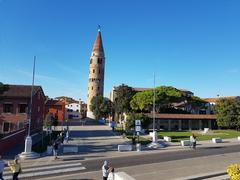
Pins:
x: 154, y: 163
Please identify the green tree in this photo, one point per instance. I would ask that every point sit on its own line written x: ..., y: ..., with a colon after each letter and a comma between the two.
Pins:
x: 165, y: 96
x: 130, y: 123
x: 3, y: 87
x: 228, y: 113
x: 124, y: 95
x: 196, y: 102
x: 48, y: 120
x: 121, y: 105
x: 101, y: 107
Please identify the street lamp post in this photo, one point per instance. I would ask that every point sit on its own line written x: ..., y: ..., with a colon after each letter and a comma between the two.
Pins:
x: 154, y: 143
x: 28, y: 153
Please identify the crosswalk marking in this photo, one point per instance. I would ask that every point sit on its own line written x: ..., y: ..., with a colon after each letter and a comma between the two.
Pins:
x: 50, y: 167
x: 53, y: 169
x: 42, y: 173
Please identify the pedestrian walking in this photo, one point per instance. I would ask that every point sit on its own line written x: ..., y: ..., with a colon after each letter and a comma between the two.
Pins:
x: 15, y: 168
x: 193, y: 141
x: 62, y: 136
x: 55, y: 149
x: 2, y: 165
x: 113, y: 125
x: 111, y: 175
x: 67, y: 136
x: 105, y: 169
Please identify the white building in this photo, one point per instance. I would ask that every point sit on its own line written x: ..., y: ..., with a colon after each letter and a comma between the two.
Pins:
x: 73, y: 111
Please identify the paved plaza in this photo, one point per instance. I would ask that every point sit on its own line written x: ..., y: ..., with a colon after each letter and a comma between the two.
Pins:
x: 96, y: 143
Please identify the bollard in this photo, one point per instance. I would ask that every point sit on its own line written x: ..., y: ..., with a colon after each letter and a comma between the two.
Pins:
x: 138, y: 147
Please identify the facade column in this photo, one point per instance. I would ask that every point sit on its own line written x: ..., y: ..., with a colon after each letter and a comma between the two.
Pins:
x: 180, y: 125
x: 209, y: 124
x: 169, y: 125
x: 190, y: 125
x: 200, y: 124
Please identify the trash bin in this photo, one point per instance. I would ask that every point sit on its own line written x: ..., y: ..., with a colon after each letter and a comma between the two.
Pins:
x: 138, y: 147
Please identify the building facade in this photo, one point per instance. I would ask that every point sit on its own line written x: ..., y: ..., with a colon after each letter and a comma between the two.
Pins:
x: 179, y: 122
x: 96, y: 73
x: 73, y: 111
x: 56, y: 108
x: 15, y: 106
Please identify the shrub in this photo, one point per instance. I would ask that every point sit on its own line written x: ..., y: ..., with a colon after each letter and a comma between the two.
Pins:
x: 234, y: 171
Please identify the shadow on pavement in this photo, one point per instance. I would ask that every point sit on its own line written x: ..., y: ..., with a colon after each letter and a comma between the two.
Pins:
x: 218, y: 147
x: 91, y: 133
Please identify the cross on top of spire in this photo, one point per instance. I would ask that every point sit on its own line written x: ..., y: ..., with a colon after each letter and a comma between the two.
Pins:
x: 99, y: 28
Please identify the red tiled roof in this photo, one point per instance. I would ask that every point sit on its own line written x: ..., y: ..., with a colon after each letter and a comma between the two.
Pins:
x: 182, y: 116
x: 218, y: 98
x: 20, y: 91
x: 53, y: 102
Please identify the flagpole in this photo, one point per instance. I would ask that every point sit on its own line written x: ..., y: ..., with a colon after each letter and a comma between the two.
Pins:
x: 30, y: 110
x: 28, y: 153
x: 154, y: 144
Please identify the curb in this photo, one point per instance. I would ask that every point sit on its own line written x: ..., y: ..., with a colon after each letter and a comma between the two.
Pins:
x: 206, y: 176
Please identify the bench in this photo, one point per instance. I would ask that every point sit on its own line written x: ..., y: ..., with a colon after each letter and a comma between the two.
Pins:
x: 185, y: 143
x: 123, y: 176
x: 168, y: 139
x: 217, y: 140
x: 70, y: 149
x: 124, y: 147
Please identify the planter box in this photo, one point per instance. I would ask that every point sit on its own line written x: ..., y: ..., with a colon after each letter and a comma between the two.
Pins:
x: 186, y: 143
x: 124, y: 147
x: 168, y: 139
x: 217, y: 140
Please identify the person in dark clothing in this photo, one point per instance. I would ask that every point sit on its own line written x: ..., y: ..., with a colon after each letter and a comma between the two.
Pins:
x: 134, y: 140
x: 55, y: 149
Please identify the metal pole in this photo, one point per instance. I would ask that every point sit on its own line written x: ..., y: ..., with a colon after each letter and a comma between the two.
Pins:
x: 30, y: 110
x: 154, y: 96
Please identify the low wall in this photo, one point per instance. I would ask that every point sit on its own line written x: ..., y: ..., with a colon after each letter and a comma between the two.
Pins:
x: 11, y: 141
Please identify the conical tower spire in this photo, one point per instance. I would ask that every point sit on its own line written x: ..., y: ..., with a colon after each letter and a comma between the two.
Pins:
x: 98, y: 45
x: 96, y: 72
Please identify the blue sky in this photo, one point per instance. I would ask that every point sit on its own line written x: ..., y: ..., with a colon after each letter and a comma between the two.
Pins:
x: 190, y: 44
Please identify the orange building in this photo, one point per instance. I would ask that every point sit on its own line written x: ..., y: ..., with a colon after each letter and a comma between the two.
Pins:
x: 56, y: 108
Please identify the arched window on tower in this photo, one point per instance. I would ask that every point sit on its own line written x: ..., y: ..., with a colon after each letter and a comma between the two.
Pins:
x: 99, y: 60
x: 93, y: 70
x: 90, y: 61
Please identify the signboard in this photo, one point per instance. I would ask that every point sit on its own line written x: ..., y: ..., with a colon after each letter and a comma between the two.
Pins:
x: 138, y: 128
x: 137, y: 122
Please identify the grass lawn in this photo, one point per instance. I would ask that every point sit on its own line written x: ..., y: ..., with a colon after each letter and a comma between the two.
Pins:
x: 177, y: 136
